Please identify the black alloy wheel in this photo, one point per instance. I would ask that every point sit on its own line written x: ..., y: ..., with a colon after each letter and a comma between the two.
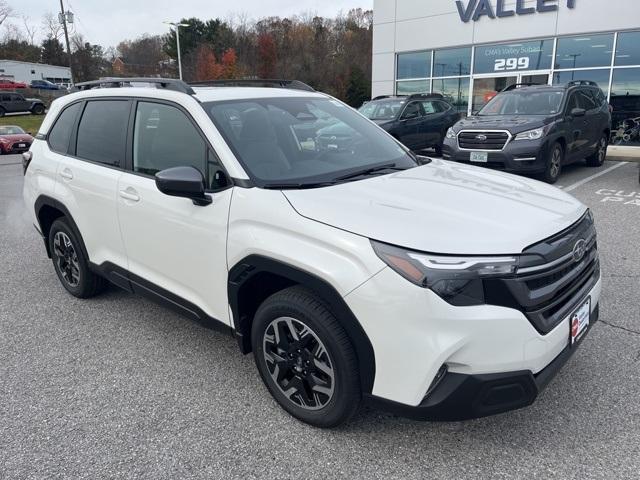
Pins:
x: 600, y: 155
x: 305, y: 358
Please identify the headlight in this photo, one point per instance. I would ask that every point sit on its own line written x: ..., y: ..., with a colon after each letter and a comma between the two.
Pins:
x: 456, y: 279
x: 535, y: 134
x: 451, y: 133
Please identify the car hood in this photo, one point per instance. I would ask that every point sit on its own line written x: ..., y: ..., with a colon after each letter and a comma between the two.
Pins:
x: 513, y: 123
x: 22, y: 137
x: 444, y: 207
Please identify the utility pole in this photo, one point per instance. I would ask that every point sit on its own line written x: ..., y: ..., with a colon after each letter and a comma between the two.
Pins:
x: 63, y: 19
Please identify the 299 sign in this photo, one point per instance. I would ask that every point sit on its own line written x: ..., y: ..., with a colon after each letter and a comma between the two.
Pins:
x: 506, y: 64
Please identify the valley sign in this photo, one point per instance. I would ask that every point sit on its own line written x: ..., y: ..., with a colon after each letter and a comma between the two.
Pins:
x: 476, y: 9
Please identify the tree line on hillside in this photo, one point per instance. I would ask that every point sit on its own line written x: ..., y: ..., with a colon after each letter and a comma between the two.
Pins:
x: 331, y: 54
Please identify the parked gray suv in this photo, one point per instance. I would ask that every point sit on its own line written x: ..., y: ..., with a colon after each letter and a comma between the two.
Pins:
x: 535, y: 129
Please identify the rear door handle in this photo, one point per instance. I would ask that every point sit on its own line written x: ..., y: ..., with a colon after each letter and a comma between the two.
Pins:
x: 66, y: 173
x: 130, y: 194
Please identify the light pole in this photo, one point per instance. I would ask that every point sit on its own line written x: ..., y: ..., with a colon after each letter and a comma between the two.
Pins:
x: 177, y: 27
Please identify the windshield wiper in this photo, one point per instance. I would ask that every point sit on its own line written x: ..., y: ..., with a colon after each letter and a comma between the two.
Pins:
x: 370, y: 171
x: 294, y: 185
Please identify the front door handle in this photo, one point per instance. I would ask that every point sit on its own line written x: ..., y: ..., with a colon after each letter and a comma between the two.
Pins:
x: 130, y: 194
x: 67, y: 174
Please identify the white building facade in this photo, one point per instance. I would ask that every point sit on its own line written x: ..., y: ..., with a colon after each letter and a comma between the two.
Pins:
x: 470, y: 49
x: 27, y: 71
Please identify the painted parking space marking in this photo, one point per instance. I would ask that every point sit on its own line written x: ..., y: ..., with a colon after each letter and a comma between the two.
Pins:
x: 594, y: 176
x: 621, y: 197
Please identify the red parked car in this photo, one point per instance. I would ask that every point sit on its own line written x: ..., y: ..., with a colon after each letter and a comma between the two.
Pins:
x: 14, y: 139
x: 6, y: 84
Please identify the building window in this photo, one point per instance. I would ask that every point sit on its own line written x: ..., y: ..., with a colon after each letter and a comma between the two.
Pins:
x: 413, y: 86
x: 414, y: 65
x: 584, y: 52
x: 625, y: 101
x: 628, y: 50
x: 452, y: 62
x: 601, y: 77
x: 455, y: 91
x: 514, y: 57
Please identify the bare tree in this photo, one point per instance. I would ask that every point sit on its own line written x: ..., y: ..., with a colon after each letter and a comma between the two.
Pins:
x: 51, y: 26
x: 12, y: 32
x: 29, y: 28
x: 6, y: 11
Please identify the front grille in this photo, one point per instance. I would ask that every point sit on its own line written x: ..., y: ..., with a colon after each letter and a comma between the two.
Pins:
x: 550, y: 283
x: 472, y: 140
x: 16, y: 146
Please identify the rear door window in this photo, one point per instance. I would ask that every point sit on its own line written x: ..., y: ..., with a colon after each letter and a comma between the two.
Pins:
x: 60, y: 134
x: 102, y: 133
x: 430, y: 107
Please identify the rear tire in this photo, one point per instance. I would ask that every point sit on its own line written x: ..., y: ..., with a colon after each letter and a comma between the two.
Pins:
x: 38, y: 109
x: 305, y: 358
x: 600, y: 155
x: 554, y: 164
x: 2, y: 112
x: 70, y: 263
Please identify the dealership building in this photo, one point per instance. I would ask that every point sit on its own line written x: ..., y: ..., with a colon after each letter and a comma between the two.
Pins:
x: 470, y: 49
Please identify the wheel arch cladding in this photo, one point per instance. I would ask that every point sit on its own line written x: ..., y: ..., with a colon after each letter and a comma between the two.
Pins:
x: 253, y: 279
x: 48, y: 210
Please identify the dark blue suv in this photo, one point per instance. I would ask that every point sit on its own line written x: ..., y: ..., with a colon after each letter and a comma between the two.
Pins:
x: 535, y: 129
x: 419, y: 121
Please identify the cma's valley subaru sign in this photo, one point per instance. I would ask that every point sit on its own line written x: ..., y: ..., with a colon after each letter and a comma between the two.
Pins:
x: 476, y: 9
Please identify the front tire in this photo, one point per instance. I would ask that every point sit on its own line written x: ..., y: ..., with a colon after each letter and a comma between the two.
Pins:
x: 38, y: 110
x: 554, y: 164
x: 305, y: 358
x: 2, y: 112
x: 70, y: 263
x: 600, y: 155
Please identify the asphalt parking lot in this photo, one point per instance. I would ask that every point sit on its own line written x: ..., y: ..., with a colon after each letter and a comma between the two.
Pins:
x: 117, y: 387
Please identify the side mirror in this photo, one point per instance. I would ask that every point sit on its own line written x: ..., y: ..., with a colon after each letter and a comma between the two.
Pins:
x: 578, y: 112
x: 186, y: 182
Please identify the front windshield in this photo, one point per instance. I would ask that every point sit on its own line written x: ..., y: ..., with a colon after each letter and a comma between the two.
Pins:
x: 11, y: 130
x: 303, y: 140
x: 387, y: 110
x: 521, y: 103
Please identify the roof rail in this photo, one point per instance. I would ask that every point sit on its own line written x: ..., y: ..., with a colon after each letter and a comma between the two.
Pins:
x: 119, y: 82
x: 259, y: 82
x: 577, y: 83
x: 520, y: 85
x: 381, y: 97
x: 425, y: 95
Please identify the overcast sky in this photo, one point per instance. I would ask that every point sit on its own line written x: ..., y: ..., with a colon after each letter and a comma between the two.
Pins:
x: 107, y: 22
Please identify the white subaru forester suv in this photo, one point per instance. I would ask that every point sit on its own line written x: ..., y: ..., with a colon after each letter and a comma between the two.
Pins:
x: 354, y: 270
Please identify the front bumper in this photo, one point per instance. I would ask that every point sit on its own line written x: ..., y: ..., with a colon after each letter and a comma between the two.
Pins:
x: 459, y: 397
x: 14, y: 149
x: 523, y: 156
x: 414, y: 333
